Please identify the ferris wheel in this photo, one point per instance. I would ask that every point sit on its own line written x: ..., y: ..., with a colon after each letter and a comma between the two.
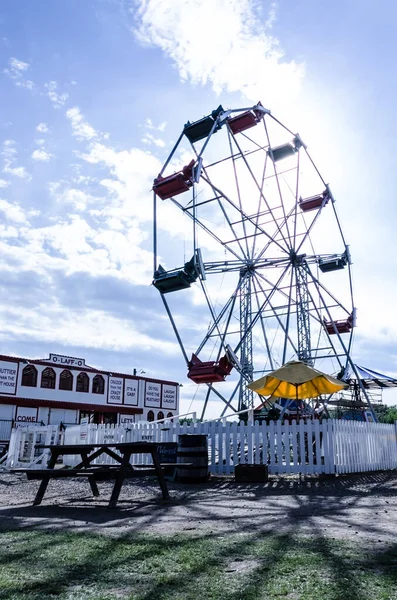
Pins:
x: 249, y: 255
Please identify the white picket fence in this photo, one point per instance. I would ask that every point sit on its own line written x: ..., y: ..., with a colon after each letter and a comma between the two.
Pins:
x: 308, y: 448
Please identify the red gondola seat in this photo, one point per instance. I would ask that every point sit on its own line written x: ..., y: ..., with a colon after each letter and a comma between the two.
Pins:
x: 245, y: 120
x: 166, y: 187
x: 341, y: 326
x: 314, y: 202
x: 210, y: 371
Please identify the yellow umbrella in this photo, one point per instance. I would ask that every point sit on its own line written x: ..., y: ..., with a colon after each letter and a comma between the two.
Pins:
x: 295, y: 380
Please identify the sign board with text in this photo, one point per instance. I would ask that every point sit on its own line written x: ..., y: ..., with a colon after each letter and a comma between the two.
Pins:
x: 115, y: 390
x: 8, y: 377
x: 68, y: 361
x: 131, y: 392
x: 152, y: 395
x: 126, y: 420
x: 169, y: 397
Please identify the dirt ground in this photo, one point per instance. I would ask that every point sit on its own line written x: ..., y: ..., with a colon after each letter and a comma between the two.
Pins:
x: 361, y: 507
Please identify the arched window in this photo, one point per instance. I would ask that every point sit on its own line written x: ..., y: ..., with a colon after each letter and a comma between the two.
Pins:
x: 83, y: 382
x: 48, y: 378
x: 98, y: 385
x: 160, y: 415
x: 150, y: 416
x: 29, y: 376
x: 170, y: 416
x: 66, y: 381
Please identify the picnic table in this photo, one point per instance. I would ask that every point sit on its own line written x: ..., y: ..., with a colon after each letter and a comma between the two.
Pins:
x: 121, y: 453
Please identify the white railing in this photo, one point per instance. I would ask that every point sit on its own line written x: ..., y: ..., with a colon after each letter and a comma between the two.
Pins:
x: 23, y: 450
x: 306, y: 447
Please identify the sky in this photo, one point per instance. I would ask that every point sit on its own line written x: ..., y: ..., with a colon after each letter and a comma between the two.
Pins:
x: 93, y: 96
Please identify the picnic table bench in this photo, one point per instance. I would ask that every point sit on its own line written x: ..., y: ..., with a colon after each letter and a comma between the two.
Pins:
x: 121, y: 453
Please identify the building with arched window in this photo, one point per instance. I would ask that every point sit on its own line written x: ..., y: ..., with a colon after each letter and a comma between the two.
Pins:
x: 48, y: 378
x: 66, y: 380
x: 65, y: 389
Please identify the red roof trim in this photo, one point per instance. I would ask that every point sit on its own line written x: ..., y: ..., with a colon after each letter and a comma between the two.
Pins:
x: 30, y: 402
x: 88, y: 369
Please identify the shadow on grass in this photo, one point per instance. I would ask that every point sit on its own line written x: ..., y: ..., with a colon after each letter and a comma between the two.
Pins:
x: 209, y: 567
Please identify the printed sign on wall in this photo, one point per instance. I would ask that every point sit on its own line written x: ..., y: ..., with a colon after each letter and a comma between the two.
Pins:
x: 8, y: 377
x: 115, y: 393
x: 131, y: 392
x: 153, y: 395
x: 126, y: 420
x: 70, y: 361
x: 26, y: 415
x: 169, y: 397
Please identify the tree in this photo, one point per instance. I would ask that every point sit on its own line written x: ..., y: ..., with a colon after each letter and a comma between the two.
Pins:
x: 385, y: 414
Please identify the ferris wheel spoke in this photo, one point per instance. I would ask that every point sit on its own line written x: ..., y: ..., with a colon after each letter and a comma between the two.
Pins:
x: 260, y: 189
x: 269, y: 243
x: 238, y: 191
x: 288, y: 314
x: 207, y: 230
x: 319, y: 289
x: 228, y: 306
x: 263, y: 306
x: 255, y: 283
x: 320, y: 322
x: 226, y: 216
x: 247, y: 217
x: 222, y: 336
x: 322, y: 286
x: 278, y: 185
x: 296, y: 203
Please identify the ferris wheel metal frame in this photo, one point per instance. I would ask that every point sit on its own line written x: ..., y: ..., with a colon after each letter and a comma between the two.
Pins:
x: 267, y: 255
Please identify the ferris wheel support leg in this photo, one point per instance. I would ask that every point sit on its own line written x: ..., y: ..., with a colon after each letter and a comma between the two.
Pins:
x: 178, y: 337
x: 206, y: 401
x: 229, y: 402
x: 154, y: 232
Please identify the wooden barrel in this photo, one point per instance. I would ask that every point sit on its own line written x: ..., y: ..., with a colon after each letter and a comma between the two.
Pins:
x: 192, y: 449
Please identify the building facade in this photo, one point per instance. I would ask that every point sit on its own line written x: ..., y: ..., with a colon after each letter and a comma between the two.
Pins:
x: 63, y: 389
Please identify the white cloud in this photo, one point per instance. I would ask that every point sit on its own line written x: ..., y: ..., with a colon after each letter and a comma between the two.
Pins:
x: 58, y: 100
x: 41, y: 155
x: 20, y: 172
x: 81, y: 129
x: 150, y: 140
x: 132, y: 179
x: 40, y: 142
x: 80, y: 328
x: 42, y: 128
x: 149, y: 125
x: 9, y: 152
x: 224, y: 43
x: 78, y: 199
x: 18, y: 65
x: 4, y: 183
x: 12, y: 211
x: 16, y: 71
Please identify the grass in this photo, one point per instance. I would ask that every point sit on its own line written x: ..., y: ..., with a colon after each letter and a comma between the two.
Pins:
x: 80, y: 566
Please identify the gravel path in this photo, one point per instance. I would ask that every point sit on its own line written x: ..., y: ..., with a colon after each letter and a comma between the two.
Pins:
x: 356, y: 507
